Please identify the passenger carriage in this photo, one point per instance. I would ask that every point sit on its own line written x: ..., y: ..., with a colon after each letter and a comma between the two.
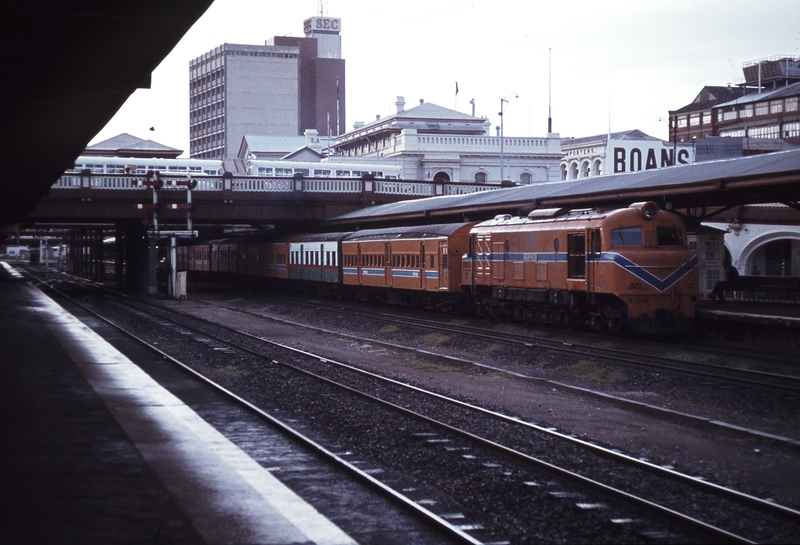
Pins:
x: 405, y: 261
x: 316, y: 257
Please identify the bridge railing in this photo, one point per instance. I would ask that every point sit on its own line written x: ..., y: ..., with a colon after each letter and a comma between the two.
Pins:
x: 401, y: 187
x: 261, y: 184
x: 332, y: 185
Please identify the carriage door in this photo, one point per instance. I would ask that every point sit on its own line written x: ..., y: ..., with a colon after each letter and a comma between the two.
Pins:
x: 321, y: 257
x: 387, y: 264
x: 576, y: 255
x: 592, y: 259
x: 443, y: 272
x: 359, y: 264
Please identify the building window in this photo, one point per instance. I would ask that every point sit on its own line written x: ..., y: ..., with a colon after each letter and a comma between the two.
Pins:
x: 729, y: 114
x: 791, y: 130
x: 707, y: 117
x: 525, y: 178
x: 776, y: 107
x: 770, y: 131
x: 694, y: 120
x: 746, y: 111
x: 791, y: 104
x: 733, y: 133
x: 682, y: 121
x: 762, y: 108
x: 480, y: 177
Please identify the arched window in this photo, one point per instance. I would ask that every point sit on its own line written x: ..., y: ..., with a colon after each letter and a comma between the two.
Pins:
x: 563, y: 173
x: 597, y: 168
x: 573, y: 171
x: 441, y: 177
x: 525, y: 178
x: 480, y: 177
x: 585, y: 169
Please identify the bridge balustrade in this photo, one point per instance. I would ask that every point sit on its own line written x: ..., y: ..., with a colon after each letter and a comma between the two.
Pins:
x: 398, y: 187
x: 332, y: 185
x: 259, y: 184
x: 466, y: 189
x: 264, y: 185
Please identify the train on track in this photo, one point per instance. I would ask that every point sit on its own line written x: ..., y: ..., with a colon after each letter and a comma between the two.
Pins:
x: 254, y: 167
x: 606, y: 270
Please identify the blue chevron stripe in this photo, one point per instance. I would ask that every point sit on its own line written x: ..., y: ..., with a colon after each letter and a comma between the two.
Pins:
x: 643, y: 274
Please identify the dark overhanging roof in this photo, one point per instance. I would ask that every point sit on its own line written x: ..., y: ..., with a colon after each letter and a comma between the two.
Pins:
x: 773, y: 177
x: 68, y: 66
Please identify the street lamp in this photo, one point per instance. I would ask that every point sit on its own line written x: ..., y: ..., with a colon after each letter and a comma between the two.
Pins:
x: 503, y: 102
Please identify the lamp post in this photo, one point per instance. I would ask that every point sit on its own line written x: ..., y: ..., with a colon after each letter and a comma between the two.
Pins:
x: 503, y: 102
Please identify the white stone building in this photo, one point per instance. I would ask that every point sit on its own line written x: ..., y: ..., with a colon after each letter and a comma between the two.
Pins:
x: 628, y: 151
x: 433, y: 142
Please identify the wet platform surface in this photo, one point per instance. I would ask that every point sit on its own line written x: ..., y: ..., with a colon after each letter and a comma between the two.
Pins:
x: 94, y: 451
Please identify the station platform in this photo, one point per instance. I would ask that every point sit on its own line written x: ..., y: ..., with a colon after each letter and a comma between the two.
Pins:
x: 92, y: 450
x: 775, y: 327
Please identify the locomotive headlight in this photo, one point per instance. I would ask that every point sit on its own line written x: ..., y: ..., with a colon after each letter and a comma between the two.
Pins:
x: 650, y: 209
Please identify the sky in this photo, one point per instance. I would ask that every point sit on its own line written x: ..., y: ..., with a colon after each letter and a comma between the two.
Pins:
x: 594, y: 66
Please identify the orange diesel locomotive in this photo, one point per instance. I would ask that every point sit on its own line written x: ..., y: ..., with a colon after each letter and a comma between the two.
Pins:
x: 604, y: 269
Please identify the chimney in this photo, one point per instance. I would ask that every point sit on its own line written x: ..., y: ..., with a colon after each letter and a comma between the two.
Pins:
x: 401, y: 104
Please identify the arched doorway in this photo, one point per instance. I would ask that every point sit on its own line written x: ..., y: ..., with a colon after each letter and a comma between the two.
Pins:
x: 774, y: 254
x: 441, y: 177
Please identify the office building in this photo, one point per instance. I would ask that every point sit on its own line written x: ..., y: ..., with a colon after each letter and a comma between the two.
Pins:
x: 281, y: 88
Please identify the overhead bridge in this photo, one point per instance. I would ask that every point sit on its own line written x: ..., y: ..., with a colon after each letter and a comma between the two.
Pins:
x: 291, y: 203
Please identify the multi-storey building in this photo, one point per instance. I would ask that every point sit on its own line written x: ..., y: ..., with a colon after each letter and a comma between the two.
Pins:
x: 282, y: 88
x: 765, y: 106
x: 760, y: 115
x: 435, y: 143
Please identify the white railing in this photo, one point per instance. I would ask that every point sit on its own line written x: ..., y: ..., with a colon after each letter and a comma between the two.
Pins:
x: 263, y: 185
x: 396, y: 187
x: 257, y: 184
x: 208, y: 184
x: 68, y: 182
x: 115, y: 182
x: 466, y: 189
x: 331, y: 185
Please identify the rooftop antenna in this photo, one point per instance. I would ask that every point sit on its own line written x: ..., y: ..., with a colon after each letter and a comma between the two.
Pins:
x: 321, y: 8
x: 550, y: 90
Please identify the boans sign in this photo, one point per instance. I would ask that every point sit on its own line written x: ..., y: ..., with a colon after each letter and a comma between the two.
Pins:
x: 633, y: 157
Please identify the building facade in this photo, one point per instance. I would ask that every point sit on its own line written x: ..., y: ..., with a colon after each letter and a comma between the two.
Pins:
x: 765, y: 106
x: 435, y: 143
x: 281, y: 88
x: 614, y: 153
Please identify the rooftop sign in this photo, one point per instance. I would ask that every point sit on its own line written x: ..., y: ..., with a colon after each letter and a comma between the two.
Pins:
x: 322, y: 25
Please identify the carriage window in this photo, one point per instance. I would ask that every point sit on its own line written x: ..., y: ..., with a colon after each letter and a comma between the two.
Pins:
x: 627, y: 236
x: 669, y: 236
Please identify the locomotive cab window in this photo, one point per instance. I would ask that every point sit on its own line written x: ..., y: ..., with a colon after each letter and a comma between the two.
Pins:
x: 669, y: 236
x: 627, y: 236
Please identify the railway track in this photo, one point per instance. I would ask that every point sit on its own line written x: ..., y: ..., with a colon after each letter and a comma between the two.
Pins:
x: 688, y: 360
x: 711, y: 422
x: 524, y: 447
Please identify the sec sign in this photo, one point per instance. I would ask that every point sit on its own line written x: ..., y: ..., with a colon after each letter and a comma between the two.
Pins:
x: 322, y: 24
